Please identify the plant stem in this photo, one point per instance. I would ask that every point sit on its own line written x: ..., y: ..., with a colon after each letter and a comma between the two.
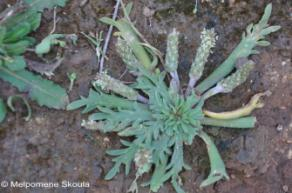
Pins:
x: 191, y: 85
x: 108, y: 37
x: 213, y: 91
x: 142, y: 99
x: 132, y: 39
x: 175, y: 78
x: 245, y: 122
x: 225, y: 68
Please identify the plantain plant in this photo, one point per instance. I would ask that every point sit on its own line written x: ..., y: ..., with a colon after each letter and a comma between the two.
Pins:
x: 157, y: 115
x: 14, y: 41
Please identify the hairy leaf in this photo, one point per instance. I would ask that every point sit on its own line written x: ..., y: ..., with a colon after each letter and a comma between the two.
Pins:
x: 98, y: 99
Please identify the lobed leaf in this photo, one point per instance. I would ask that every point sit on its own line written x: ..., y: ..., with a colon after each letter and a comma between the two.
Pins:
x: 97, y: 99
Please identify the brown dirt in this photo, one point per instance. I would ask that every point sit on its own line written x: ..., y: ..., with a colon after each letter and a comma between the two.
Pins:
x: 52, y: 146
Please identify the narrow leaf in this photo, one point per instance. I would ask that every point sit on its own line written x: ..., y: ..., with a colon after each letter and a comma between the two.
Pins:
x: 245, y: 122
x: 263, y: 43
x: 116, y: 152
x: 266, y: 16
x: 270, y: 29
x: 108, y: 21
x: 112, y: 172
x: 218, y: 170
x: 128, y: 8
x: 2, y: 33
x: 3, y: 110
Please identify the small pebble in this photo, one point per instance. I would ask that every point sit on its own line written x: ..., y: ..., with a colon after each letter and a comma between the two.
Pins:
x: 148, y: 12
x: 83, y: 3
x: 285, y: 188
x: 39, y: 120
x: 106, y: 140
x: 279, y: 128
x: 283, y: 63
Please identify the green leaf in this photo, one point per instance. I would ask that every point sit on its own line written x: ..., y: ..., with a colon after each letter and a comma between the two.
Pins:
x: 243, y: 49
x: 45, y: 45
x: 112, y: 172
x: 45, y: 92
x: 131, y: 37
x: 245, y: 122
x: 270, y: 29
x: 98, y: 99
x: 266, y: 16
x: 263, y: 43
x: 17, y: 48
x: 3, y: 110
x: 108, y: 21
x: 18, y: 26
x: 123, y: 118
x: 218, y: 170
x: 157, y: 179
x: 116, y: 152
x: 2, y: 33
x: 176, y: 185
x: 129, y: 8
x: 40, y: 5
x: 17, y: 63
x: 125, y: 156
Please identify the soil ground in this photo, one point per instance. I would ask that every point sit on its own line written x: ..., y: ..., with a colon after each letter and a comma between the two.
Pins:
x: 53, y: 147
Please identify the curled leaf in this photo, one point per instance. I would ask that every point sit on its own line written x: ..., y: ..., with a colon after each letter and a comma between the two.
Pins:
x: 15, y: 97
x: 45, y: 46
x: 218, y: 170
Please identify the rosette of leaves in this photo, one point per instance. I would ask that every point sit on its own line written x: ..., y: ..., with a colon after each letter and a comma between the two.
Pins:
x: 156, y: 113
x: 14, y: 41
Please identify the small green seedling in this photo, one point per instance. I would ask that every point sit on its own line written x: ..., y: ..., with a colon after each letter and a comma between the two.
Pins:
x: 72, y: 77
x: 54, y: 40
x: 160, y: 117
x: 45, y: 46
x: 96, y: 40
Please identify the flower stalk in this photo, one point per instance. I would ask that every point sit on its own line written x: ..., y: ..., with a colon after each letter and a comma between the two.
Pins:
x: 171, y: 60
x: 208, y: 41
x: 254, y: 36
